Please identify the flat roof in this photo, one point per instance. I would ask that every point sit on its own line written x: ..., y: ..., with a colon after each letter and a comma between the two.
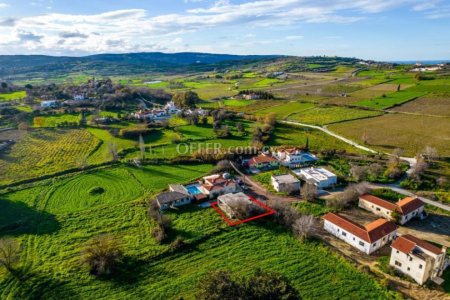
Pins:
x: 316, y: 173
x: 286, y: 178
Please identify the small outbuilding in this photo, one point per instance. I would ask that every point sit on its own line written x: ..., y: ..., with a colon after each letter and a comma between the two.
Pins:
x: 286, y: 183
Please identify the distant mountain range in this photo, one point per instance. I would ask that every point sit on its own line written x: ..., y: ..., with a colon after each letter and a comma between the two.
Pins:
x: 13, y: 66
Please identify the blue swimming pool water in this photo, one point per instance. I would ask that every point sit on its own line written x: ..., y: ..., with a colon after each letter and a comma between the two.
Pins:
x: 193, y: 190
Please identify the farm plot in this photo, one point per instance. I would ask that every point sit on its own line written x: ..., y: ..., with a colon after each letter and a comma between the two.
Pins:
x: 54, y: 121
x: 43, y: 152
x: 13, y: 96
x: 285, y: 135
x: 439, y: 106
x: 284, y: 110
x: 152, y: 269
x: 390, y: 100
x: 331, y: 114
x: 408, y: 132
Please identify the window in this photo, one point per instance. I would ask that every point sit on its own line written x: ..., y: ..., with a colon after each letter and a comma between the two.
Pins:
x: 397, y: 252
x: 344, y: 233
x: 410, y: 259
x: 353, y: 238
x: 409, y: 269
x: 414, y: 213
x: 399, y: 264
x: 378, y: 209
x: 361, y: 243
x: 420, y: 266
x: 374, y: 244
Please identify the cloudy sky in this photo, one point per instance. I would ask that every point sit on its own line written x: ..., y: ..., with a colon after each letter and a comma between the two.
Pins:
x: 370, y: 29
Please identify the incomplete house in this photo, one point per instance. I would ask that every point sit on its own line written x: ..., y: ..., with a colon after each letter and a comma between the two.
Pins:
x: 263, y: 162
x: 215, y: 185
x: 285, y: 183
x: 418, y: 259
x: 319, y: 177
x: 406, y: 209
x: 294, y: 156
x: 367, y: 238
x: 172, y: 199
x: 229, y: 203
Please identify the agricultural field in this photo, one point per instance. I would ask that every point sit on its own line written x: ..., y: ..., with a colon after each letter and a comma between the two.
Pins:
x: 392, y: 99
x: 409, y: 132
x: 438, y: 106
x: 55, y: 120
x: 286, y: 135
x: 42, y: 152
x: 285, y: 109
x: 13, y: 96
x: 55, y: 247
x: 331, y: 114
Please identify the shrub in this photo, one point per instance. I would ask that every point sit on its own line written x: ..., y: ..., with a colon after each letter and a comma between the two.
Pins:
x: 102, y: 255
x: 96, y: 191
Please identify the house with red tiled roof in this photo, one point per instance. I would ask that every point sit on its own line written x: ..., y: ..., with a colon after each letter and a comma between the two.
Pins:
x: 367, y: 239
x: 215, y: 185
x: 418, y: 259
x: 292, y: 157
x: 402, y: 211
x: 263, y: 162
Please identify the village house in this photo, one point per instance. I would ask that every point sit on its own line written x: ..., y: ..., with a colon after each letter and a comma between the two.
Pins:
x: 169, y: 199
x: 49, y: 103
x: 286, y: 183
x: 418, y: 259
x: 78, y: 97
x: 229, y: 203
x: 320, y: 177
x: 402, y: 211
x: 294, y: 157
x: 171, y: 108
x: 263, y: 162
x: 150, y: 114
x: 215, y: 185
x: 367, y: 238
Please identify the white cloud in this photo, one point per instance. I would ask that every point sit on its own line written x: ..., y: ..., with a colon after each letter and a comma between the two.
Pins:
x: 134, y: 30
x: 3, y: 5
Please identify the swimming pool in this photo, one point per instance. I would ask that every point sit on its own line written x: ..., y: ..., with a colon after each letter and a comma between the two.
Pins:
x: 193, y: 190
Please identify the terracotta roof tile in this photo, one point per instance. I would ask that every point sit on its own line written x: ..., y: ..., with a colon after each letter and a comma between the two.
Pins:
x: 409, y: 204
x: 261, y: 159
x: 406, y: 243
x: 378, y: 201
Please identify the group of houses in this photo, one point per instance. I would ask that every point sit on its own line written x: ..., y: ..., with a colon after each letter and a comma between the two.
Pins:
x: 294, y: 157
x: 410, y: 255
x: 209, y: 187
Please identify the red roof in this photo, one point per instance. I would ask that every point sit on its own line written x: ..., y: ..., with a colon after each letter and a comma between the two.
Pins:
x: 370, y: 233
x: 406, y: 244
x: 261, y: 159
x: 409, y: 204
x: 378, y: 201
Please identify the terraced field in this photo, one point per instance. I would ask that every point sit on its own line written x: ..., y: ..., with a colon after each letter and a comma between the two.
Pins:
x: 54, y: 121
x: 42, y: 152
x: 13, y: 96
x: 391, y: 99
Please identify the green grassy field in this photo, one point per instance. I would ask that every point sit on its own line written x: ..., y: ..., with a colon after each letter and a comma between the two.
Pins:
x: 41, y: 152
x: 13, y: 96
x: 52, y: 248
x: 390, y: 100
x: 54, y: 121
x: 331, y: 114
x: 284, y: 109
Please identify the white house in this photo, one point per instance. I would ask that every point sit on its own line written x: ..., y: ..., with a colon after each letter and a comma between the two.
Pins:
x: 150, y: 114
x: 285, y: 183
x: 49, y: 103
x: 172, y: 199
x: 294, y: 156
x: 78, y: 97
x: 171, y: 108
x: 406, y: 208
x: 320, y: 177
x: 367, y: 238
x: 230, y: 202
x: 418, y: 259
x: 215, y: 185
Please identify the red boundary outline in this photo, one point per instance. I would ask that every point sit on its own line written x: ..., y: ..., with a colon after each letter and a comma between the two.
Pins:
x: 269, y: 212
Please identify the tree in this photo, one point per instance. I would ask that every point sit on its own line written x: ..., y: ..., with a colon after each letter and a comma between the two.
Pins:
x: 4, y: 85
x: 112, y: 149
x: 204, y: 120
x: 284, y: 214
x: 240, y: 128
x: 222, y: 285
x: 185, y: 99
x: 9, y: 255
x: 358, y: 172
x: 23, y: 126
x: 309, y: 192
x: 142, y: 146
x: 349, y: 195
x: 374, y: 170
x: 223, y: 166
x: 418, y: 169
x: 430, y: 153
x: 102, y: 255
x: 398, y: 88
x: 82, y: 121
x: 304, y: 227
